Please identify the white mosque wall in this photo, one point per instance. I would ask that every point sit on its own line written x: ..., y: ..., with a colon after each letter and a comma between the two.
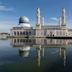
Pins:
x: 39, y: 33
x: 22, y: 32
x: 57, y: 33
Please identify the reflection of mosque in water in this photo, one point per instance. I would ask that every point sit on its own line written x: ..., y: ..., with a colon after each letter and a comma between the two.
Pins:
x: 40, y: 44
x: 24, y: 51
x: 38, y: 41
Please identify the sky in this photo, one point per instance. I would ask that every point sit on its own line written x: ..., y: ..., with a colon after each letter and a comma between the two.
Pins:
x: 11, y: 10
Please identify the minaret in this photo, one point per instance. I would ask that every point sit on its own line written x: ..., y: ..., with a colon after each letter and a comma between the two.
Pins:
x: 38, y: 19
x: 63, y: 17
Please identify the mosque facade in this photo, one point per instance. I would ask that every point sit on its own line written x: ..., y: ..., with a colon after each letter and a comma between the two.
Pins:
x: 25, y: 29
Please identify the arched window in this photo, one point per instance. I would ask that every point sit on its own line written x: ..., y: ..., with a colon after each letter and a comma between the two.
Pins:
x: 14, y: 40
x: 29, y: 33
x: 14, y: 33
x: 23, y: 33
x: 21, y: 40
x: 17, y: 33
x: 26, y: 33
x: 17, y: 40
x: 20, y: 33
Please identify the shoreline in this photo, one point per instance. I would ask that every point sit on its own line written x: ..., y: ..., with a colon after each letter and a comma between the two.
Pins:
x: 39, y: 37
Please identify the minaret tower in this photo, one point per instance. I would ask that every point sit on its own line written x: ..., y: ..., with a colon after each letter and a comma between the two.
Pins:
x: 63, y: 17
x: 38, y: 19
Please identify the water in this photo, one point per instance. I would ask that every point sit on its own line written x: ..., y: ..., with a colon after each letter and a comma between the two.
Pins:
x: 35, y: 55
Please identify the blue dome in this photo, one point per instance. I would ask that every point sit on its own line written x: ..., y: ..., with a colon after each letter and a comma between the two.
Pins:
x: 23, y: 19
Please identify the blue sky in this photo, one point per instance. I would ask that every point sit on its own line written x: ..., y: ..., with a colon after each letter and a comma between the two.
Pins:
x: 11, y: 10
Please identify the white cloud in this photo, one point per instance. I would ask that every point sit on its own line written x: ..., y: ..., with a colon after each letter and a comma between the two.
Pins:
x: 5, y: 26
x: 5, y: 8
x: 54, y: 18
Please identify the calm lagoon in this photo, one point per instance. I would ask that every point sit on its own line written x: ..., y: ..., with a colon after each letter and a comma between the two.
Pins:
x: 35, y: 55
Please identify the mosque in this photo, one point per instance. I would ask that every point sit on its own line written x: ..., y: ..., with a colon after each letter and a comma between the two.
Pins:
x: 25, y: 29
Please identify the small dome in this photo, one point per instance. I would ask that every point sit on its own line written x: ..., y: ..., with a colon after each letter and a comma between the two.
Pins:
x: 23, y: 19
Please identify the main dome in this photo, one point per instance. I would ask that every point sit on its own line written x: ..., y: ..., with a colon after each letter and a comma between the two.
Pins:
x: 24, y: 22
x: 23, y: 19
